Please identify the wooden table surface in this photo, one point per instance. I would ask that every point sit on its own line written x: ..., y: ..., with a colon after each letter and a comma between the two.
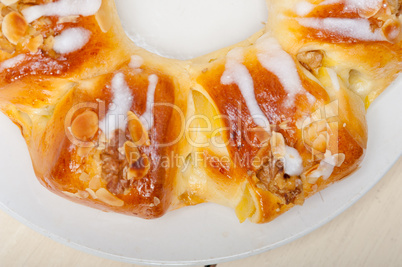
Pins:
x: 367, y: 234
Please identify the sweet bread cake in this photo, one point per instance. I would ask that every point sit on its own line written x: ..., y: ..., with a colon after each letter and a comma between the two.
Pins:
x: 257, y: 127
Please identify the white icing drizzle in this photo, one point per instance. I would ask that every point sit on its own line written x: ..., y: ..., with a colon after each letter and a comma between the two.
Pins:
x: 359, y: 29
x: 121, y: 104
x: 330, y: 2
x: 274, y: 59
x: 304, y: 8
x: 353, y: 28
x: 363, y: 4
x: 334, y: 79
x: 326, y: 167
x: 148, y: 118
x: 293, y: 162
x: 12, y: 62
x: 62, y: 8
x: 136, y: 62
x: 71, y: 40
x: 237, y: 73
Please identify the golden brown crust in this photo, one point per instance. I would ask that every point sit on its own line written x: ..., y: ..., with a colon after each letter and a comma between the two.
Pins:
x: 200, y: 142
x: 244, y: 144
x: 366, y: 66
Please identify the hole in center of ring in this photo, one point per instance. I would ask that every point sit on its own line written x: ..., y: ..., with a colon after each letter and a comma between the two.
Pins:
x: 185, y: 29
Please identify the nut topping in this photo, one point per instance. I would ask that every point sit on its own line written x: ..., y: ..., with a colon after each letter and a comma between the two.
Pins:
x: 83, y: 152
x: 91, y: 193
x: 137, y: 130
x: 79, y: 194
x: 139, y: 169
x: 14, y: 27
x: 95, y: 183
x: 82, y: 194
x: 394, y: 5
x: 288, y: 188
x: 69, y: 194
x: 325, y: 168
x: 131, y: 151
x: 339, y: 159
x: 311, y: 60
x: 278, y: 145
x: 315, y: 135
x: 392, y: 30
x: 308, y: 174
x: 157, y: 201
x: 103, y: 17
x: 320, y: 143
x: 48, y: 43
x: 8, y: 2
x: 85, y: 125
x: 108, y: 198
x: 68, y: 19
x: 372, y: 11
x: 34, y: 44
x: 84, y: 177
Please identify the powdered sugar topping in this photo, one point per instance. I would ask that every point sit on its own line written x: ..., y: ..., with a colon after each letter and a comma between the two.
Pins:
x: 62, y: 8
x: 293, y: 162
x: 12, y: 62
x: 363, y: 4
x: 136, y: 62
x: 303, y: 8
x: 71, y: 40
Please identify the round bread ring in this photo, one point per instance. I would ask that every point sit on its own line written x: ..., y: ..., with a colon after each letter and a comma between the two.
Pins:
x: 258, y: 127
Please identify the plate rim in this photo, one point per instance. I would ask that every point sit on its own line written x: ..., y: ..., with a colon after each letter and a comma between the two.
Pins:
x: 247, y: 254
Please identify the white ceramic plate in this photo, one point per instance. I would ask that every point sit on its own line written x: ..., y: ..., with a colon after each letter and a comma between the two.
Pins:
x: 204, y: 234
